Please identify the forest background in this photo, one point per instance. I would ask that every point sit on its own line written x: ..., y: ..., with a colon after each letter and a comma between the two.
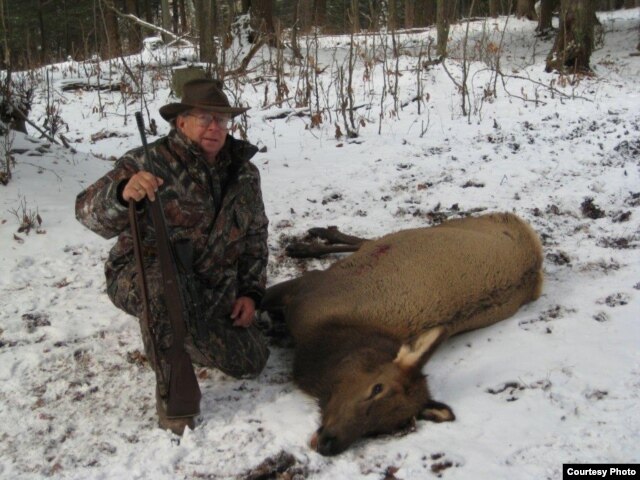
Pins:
x: 37, y: 32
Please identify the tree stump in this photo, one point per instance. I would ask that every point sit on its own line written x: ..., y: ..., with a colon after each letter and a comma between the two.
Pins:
x: 182, y: 75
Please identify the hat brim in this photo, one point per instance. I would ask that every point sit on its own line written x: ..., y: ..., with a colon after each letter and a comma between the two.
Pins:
x: 172, y: 110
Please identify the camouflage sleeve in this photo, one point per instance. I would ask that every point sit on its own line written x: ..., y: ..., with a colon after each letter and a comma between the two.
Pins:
x: 100, y: 207
x: 252, y: 264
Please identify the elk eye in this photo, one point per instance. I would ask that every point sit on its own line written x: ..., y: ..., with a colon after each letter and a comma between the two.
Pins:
x: 377, y: 389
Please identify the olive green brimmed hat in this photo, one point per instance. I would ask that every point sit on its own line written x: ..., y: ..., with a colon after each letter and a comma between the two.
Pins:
x: 204, y: 94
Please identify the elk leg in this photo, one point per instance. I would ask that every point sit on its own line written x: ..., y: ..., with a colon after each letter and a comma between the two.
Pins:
x: 333, y: 236
x: 317, y: 250
x: 336, y: 242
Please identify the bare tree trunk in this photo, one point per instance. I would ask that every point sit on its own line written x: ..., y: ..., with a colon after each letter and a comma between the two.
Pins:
x: 43, y: 36
x: 232, y: 8
x: 442, y: 28
x: 354, y: 15
x: 305, y: 15
x: 166, y: 18
x: 494, y: 6
x: 184, y: 24
x: 426, y: 13
x: 373, y: 16
x: 409, y: 13
x: 67, y: 37
x: 133, y: 32
x: 191, y: 15
x: 468, y: 8
x: 262, y: 17
x: 525, y: 8
x: 320, y: 13
x: 148, y: 12
x: 205, y: 20
x: 175, y: 17
x: 111, y: 31
x: 457, y: 10
x: 574, y: 42
x: 546, y: 16
x: 392, y: 15
x: 6, y: 56
x: 295, y: 28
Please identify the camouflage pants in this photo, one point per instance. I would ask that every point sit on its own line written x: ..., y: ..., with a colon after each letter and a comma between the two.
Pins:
x: 236, y: 351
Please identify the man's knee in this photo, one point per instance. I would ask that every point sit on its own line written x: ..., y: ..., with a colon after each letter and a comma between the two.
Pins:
x: 123, y: 291
x: 253, y: 366
x: 248, y: 363
x: 240, y: 353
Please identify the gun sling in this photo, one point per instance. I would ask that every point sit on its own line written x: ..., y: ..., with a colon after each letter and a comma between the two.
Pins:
x: 183, y: 389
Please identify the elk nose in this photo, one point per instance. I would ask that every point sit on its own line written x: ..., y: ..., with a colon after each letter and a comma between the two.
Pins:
x: 326, y: 444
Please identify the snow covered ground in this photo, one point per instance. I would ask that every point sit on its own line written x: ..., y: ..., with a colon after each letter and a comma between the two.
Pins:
x: 559, y: 382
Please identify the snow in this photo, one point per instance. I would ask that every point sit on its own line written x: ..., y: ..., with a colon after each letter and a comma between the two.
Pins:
x: 558, y: 382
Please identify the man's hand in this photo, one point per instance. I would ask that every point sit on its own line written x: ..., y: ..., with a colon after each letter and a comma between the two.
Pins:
x: 142, y: 184
x: 244, y: 312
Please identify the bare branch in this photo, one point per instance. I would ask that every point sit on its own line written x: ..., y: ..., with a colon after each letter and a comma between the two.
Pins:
x: 547, y: 87
x: 26, y: 119
x: 245, y: 61
x: 139, y: 21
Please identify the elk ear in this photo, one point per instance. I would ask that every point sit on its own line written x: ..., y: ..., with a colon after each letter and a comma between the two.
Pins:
x: 412, y: 356
x: 436, y: 412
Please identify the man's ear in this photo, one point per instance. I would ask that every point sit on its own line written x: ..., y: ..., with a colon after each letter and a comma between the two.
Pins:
x: 180, y: 120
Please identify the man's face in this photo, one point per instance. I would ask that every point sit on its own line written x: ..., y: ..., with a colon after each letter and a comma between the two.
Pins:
x: 207, y: 129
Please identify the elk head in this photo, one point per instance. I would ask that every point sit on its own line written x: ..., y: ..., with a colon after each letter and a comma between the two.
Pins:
x: 378, y: 399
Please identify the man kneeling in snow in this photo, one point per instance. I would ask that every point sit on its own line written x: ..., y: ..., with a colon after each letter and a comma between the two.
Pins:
x: 212, y: 198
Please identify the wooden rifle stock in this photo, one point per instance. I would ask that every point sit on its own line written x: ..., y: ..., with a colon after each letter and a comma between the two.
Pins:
x: 184, y: 391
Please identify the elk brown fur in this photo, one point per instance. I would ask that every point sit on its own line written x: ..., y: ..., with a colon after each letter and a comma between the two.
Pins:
x: 365, y: 327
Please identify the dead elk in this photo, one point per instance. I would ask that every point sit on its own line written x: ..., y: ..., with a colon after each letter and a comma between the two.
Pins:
x: 365, y: 327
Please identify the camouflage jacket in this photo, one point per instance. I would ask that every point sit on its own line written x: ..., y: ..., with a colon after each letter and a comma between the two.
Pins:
x: 217, y: 207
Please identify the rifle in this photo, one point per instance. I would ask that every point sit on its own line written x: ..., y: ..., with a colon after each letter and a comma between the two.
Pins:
x: 184, y: 392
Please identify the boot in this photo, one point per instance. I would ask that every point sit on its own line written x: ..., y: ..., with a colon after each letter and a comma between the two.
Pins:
x: 176, y: 425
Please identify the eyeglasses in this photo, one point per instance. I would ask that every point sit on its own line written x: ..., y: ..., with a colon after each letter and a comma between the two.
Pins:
x: 205, y: 119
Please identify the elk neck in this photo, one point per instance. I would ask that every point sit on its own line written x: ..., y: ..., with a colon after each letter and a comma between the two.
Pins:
x: 332, y: 351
